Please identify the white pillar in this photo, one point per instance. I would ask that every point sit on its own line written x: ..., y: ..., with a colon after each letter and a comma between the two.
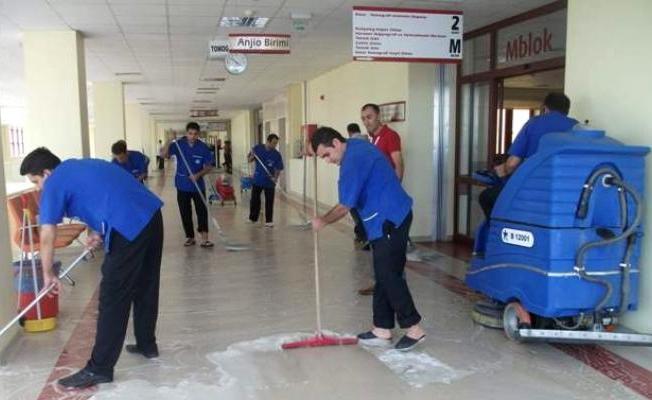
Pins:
x: 109, y: 117
x: 55, y: 82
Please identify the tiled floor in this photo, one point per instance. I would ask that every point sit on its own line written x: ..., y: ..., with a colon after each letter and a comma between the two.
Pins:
x: 224, y: 315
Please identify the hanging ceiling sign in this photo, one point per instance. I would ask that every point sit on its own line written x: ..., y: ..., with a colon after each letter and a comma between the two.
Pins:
x: 218, y: 48
x: 401, y: 34
x: 203, y: 113
x: 263, y: 43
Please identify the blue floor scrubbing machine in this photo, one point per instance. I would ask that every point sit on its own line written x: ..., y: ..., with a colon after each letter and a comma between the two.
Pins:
x: 559, y: 257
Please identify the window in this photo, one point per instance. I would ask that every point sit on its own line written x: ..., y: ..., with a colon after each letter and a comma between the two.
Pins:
x: 16, y: 141
x: 521, y: 116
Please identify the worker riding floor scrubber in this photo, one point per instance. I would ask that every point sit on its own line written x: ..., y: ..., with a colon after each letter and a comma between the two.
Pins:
x: 559, y: 257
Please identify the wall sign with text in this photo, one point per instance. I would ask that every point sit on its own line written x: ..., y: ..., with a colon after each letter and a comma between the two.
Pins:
x: 534, y: 40
x: 400, y: 34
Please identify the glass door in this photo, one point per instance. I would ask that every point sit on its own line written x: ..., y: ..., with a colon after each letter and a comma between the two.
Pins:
x: 472, y: 153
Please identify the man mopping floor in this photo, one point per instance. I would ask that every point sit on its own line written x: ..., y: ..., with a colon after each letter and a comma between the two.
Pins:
x: 126, y: 218
x: 368, y: 183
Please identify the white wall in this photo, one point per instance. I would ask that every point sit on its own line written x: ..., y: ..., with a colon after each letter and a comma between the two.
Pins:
x: 334, y: 99
x: 608, y: 80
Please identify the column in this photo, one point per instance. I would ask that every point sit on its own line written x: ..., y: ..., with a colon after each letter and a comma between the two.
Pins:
x: 55, y: 83
x: 109, y: 118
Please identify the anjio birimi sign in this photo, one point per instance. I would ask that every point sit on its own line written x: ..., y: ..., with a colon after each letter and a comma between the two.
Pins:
x: 401, y: 34
x: 259, y: 43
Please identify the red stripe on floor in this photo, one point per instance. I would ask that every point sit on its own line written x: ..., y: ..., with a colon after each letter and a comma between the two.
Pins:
x: 613, y: 366
x: 74, y: 356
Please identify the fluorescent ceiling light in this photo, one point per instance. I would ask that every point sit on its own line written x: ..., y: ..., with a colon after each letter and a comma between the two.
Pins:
x: 239, y: 22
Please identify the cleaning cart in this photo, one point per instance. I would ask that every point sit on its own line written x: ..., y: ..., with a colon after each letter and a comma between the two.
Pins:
x: 225, y: 190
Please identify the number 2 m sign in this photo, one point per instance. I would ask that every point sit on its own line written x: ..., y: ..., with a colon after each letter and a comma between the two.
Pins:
x: 412, y: 35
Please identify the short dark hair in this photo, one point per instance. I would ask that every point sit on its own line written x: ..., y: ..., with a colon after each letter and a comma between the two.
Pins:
x: 555, y: 101
x: 353, y: 128
x: 192, y: 125
x: 38, y: 161
x: 325, y: 136
x: 373, y: 106
x: 119, y: 147
x: 272, y: 136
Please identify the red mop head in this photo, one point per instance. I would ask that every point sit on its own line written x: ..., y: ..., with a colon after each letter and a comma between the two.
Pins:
x: 320, y: 340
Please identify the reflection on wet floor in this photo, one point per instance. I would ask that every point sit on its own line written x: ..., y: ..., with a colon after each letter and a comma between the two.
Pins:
x: 223, y: 316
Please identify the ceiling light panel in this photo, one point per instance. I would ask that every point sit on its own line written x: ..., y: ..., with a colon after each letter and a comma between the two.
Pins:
x: 244, y: 22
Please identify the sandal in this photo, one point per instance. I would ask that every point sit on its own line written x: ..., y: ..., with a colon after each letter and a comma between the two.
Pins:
x: 207, y: 244
x: 407, y: 343
x: 189, y: 242
x: 370, y: 339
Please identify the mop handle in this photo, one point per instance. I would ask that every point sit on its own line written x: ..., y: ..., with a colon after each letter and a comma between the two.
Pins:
x: 302, y: 215
x: 201, y: 194
x: 44, y: 292
x: 315, y: 240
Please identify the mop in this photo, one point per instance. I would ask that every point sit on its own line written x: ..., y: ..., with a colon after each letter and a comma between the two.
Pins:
x: 306, y: 224
x: 319, y: 339
x: 44, y: 292
x: 229, y: 246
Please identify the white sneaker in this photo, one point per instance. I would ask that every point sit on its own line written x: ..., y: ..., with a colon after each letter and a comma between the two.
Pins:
x: 250, y: 222
x: 269, y: 224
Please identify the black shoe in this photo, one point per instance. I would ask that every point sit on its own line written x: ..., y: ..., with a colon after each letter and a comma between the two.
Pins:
x: 407, y: 343
x: 370, y: 339
x: 134, y: 349
x: 83, y: 379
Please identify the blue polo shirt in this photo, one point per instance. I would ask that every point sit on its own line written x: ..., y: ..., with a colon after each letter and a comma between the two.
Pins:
x: 527, y: 141
x: 272, y: 160
x: 104, y: 197
x: 198, y: 156
x: 369, y: 184
x: 136, y: 163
